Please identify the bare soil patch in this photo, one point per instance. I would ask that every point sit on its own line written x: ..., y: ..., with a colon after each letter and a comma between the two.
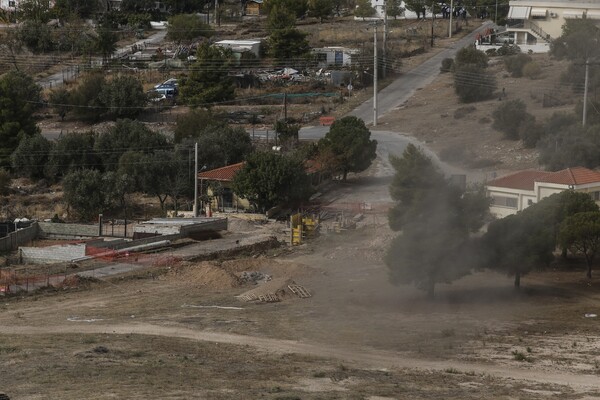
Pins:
x: 462, y: 134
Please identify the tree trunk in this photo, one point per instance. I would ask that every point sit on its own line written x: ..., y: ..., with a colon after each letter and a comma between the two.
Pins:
x: 589, y: 271
x: 345, y: 175
x: 517, y: 280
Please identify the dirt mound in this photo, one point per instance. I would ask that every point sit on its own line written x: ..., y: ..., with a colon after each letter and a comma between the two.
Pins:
x: 276, y: 268
x: 241, y: 225
x: 204, y: 274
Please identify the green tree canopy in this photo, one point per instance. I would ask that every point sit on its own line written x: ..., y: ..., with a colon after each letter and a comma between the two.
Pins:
x: 578, y: 41
x: 123, y: 97
x: 85, y: 97
x: 36, y: 36
x: 296, y: 7
x: 417, y: 6
x: 509, y: 116
x: 59, y: 101
x: 269, y: 179
x: 469, y: 55
x: 72, y: 151
x: 127, y: 135
x: 209, y: 80
x: 34, y: 10
x: 321, y: 9
x: 349, y: 140
x: 106, y: 43
x: 280, y: 18
x: 82, y: 8
x: 288, y: 45
x: 364, y: 9
x: 580, y: 233
x: 19, y: 98
x: 87, y: 192
x: 573, y: 146
x: 394, y: 8
x: 473, y: 83
x: 184, y: 28
x: 435, y: 218
x: 31, y: 155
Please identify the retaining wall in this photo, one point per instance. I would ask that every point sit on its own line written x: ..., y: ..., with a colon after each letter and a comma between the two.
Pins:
x: 50, y: 230
x: 42, y: 255
x: 18, y: 238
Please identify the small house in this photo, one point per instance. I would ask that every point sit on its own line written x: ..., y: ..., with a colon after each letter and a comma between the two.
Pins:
x: 515, y: 192
x: 335, y: 55
x: 240, y: 46
x: 217, y: 185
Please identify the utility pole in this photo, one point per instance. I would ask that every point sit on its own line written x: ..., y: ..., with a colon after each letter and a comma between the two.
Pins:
x: 196, y: 180
x: 432, y: 20
x: 496, y: 14
x: 585, y: 90
x: 384, y: 58
x: 450, y: 24
x: 375, y: 75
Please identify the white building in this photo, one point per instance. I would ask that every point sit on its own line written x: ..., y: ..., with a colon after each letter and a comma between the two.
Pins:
x: 532, y: 24
x: 335, y: 55
x: 513, y: 193
x: 240, y: 46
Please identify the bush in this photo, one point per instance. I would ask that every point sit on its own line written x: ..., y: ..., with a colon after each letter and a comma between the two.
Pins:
x: 531, y: 132
x: 532, y: 70
x: 463, y: 111
x: 514, y: 64
x: 447, y: 65
x: 470, y: 55
x: 491, y: 53
x: 509, y: 116
x: 508, y: 50
x: 473, y: 83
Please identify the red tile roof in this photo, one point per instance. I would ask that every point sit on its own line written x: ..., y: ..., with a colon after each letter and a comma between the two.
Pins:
x: 523, y: 180
x: 224, y: 174
x: 572, y: 176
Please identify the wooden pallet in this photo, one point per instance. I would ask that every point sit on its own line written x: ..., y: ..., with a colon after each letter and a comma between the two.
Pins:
x: 269, y: 298
x: 300, y: 291
x: 248, y: 297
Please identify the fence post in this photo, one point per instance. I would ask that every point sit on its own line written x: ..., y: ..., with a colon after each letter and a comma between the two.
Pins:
x: 99, y: 224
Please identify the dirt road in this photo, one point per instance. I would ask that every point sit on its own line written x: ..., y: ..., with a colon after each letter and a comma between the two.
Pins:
x: 364, y: 357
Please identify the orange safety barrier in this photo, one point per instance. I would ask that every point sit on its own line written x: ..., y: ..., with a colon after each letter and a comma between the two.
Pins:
x: 326, y: 121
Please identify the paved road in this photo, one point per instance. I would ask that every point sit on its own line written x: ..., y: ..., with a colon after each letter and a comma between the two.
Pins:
x: 71, y: 71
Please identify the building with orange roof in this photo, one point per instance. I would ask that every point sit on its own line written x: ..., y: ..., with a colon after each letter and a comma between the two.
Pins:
x: 515, y: 192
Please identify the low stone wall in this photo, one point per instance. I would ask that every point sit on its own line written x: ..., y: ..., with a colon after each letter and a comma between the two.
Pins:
x: 50, y: 230
x: 51, y: 254
x: 270, y: 243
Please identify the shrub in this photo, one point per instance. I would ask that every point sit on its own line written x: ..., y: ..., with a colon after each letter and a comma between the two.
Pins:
x: 508, y: 50
x: 491, y: 53
x: 532, y: 70
x: 514, y: 64
x: 509, y: 116
x: 473, y: 83
x: 463, y: 111
x: 530, y: 132
x: 447, y: 65
x: 470, y: 55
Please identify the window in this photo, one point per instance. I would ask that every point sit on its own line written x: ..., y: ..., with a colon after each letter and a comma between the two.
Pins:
x: 501, y: 201
x: 11, y: 3
x: 595, y: 196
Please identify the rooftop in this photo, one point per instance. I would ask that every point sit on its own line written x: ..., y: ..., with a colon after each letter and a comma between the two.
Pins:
x: 525, y: 180
x: 223, y: 174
